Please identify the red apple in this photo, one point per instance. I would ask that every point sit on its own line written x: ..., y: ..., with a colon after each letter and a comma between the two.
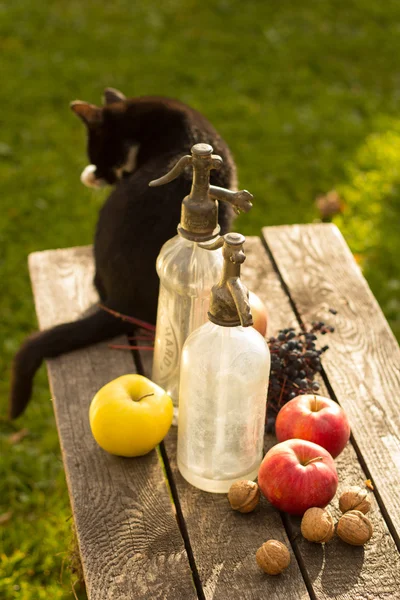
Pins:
x: 297, y: 475
x: 316, y: 419
x: 259, y: 313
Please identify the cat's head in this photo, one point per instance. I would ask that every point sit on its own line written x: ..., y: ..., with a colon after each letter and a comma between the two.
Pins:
x: 111, y: 155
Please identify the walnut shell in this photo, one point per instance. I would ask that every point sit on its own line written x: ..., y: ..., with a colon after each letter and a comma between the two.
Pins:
x: 355, y: 498
x: 317, y: 525
x: 273, y: 557
x: 354, y: 528
x: 244, y: 495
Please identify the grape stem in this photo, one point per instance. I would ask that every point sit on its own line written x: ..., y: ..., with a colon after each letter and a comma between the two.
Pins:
x: 282, y: 390
x: 128, y: 319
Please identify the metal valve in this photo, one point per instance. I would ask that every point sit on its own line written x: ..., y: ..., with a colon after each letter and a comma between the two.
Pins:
x: 199, y: 217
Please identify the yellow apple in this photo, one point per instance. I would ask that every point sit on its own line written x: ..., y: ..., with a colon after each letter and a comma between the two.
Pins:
x: 130, y: 415
x: 259, y: 312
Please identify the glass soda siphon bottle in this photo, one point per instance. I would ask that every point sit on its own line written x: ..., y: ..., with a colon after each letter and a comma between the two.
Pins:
x: 187, y: 271
x: 225, y: 368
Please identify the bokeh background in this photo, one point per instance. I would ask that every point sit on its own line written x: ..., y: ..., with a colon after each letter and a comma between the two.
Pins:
x: 307, y: 94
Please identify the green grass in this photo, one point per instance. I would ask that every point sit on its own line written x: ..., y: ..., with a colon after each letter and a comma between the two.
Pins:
x: 306, y: 94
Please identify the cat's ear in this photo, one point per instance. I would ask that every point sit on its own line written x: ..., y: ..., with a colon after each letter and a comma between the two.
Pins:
x: 89, y: 113
x: 112, y: 95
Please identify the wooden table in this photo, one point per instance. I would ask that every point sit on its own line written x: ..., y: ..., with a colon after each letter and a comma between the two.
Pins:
x: 145, y: 533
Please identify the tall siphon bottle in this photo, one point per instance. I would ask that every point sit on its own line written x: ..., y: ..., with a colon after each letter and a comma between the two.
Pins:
x: 223, y: 386
x: 187, y: 272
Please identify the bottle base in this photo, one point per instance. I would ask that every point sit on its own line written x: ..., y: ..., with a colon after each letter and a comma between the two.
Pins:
x: 216, y: 486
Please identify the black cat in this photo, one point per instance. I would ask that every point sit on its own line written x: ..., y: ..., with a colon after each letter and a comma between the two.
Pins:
x: 130, y: 142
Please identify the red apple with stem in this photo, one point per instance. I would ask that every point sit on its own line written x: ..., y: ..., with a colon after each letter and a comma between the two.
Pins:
x: 297, y: 475
x: 316, y: 419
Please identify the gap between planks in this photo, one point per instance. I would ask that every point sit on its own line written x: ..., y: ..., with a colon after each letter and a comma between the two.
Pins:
x: 320, y: 579
x: 227, y: 569
x: 173, y: 492
x: 327, y: 230
x: 333, y: 396
x: 326, y: 569
x: 128, y: 538
x: 338, y: 569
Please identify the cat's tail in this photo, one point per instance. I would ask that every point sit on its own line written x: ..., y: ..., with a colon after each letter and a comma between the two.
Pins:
x: 50, y: 343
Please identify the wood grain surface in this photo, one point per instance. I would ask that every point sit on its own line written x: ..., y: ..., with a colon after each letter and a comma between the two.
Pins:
x: 129, y: 540
x: 334, y: 570
x: 223, y: 541
x: 363, y: 362
x: 121, y: 506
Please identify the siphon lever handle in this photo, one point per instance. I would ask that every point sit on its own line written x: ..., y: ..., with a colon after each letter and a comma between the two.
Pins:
x: 202, y: 159
x: 173, y: 173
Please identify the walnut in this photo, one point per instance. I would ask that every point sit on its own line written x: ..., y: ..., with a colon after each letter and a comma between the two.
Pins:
x: 273, y: 557
x: 355, y: 498
x: 317, y: 525
x: 354, y: 528
x: 244, y: 495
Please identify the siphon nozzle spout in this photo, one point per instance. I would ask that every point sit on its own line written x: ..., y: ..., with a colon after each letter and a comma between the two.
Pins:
x: 229, y: 306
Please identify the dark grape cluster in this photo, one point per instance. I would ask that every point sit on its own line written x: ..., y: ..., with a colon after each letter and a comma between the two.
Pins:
x: 295, y: 360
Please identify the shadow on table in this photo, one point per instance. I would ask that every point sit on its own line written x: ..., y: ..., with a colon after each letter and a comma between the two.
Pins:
x: 334, y: 567
x: 342, y: 568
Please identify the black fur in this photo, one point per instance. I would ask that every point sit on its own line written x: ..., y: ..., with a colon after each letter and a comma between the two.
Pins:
x: 134, y: 222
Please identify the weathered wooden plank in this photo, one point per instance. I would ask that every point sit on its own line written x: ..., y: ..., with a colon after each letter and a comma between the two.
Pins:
x: 129, y: 540
x: 363, y: 363
x: 335, y: 570
x: 224, y: 542
x: 338, y: 570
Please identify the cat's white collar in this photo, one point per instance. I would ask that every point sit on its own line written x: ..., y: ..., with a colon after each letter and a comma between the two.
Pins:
x: 130, y: 163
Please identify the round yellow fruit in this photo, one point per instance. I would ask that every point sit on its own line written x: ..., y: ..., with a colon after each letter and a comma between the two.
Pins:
x: 130, y: 415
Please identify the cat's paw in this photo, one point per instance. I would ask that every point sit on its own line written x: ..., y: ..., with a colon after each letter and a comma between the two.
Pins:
x: 88, y: 177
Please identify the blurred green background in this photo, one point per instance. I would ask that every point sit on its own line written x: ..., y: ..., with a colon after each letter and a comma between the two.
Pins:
x: 305, y: 93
